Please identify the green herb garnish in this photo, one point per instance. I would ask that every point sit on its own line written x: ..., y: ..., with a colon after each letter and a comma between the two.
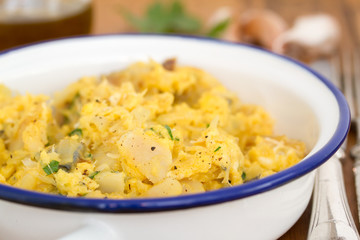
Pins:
x: 217, y: 149
x: 66, y: 119
x: 52, y: 167
x: 243, y: 176
x: 162, y: 18
x: 177, y: 139
x: 76, y: 131
x: 217, y: 30
x: 207, y: 125
x: 158, y: 133
x: 93, y: 174
x: 75, y: 98
x: 169, y: 131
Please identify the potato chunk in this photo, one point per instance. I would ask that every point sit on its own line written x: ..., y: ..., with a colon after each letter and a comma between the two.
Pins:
x: 111, y: 182
x: 147, y: 154
x: 166, y: 188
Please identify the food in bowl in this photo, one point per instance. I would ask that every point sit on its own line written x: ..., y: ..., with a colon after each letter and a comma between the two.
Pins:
x: 150, y: 130
x: 304, y: 105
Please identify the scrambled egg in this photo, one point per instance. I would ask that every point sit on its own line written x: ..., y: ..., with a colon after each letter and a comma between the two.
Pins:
x: 150, y: 130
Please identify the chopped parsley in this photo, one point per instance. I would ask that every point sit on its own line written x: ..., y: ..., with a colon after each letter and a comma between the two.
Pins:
x: 207, y: 125
x: 52, y: 167
x: 158, y: 133
x: 75, y: 98
x: 169, y: 132
x: 76, y: 131
x: 66, y: 119
x: 243, y: 176
x: 93, y: 174
x: 217, y: 149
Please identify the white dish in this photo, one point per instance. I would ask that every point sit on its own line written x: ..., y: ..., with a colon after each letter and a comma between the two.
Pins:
x: 305, y: 106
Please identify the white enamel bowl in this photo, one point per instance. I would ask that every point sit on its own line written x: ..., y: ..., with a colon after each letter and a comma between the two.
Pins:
x: 305, y: 106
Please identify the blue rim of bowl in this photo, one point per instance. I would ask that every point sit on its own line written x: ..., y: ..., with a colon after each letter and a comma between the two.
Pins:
x: 59, y: 202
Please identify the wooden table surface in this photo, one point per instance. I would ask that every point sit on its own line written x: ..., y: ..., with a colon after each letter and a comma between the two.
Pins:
x: 107, y: 19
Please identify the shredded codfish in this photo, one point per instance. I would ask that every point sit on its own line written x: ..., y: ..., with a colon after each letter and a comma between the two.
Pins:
x: 146, y: 131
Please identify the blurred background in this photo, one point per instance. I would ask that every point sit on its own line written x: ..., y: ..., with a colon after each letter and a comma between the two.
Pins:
x: 26, y: 21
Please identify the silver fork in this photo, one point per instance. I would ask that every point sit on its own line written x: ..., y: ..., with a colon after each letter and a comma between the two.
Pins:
x: 354, y: 105
x: 331, y: 217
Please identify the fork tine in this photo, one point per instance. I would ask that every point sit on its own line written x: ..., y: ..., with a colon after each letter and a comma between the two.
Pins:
x: 347, y: 79
x: 355, y: 150
x: 329, y: 201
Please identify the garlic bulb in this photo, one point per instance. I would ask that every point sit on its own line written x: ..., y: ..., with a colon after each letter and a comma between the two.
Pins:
x: 261, y: 27
x: 311, y: 37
